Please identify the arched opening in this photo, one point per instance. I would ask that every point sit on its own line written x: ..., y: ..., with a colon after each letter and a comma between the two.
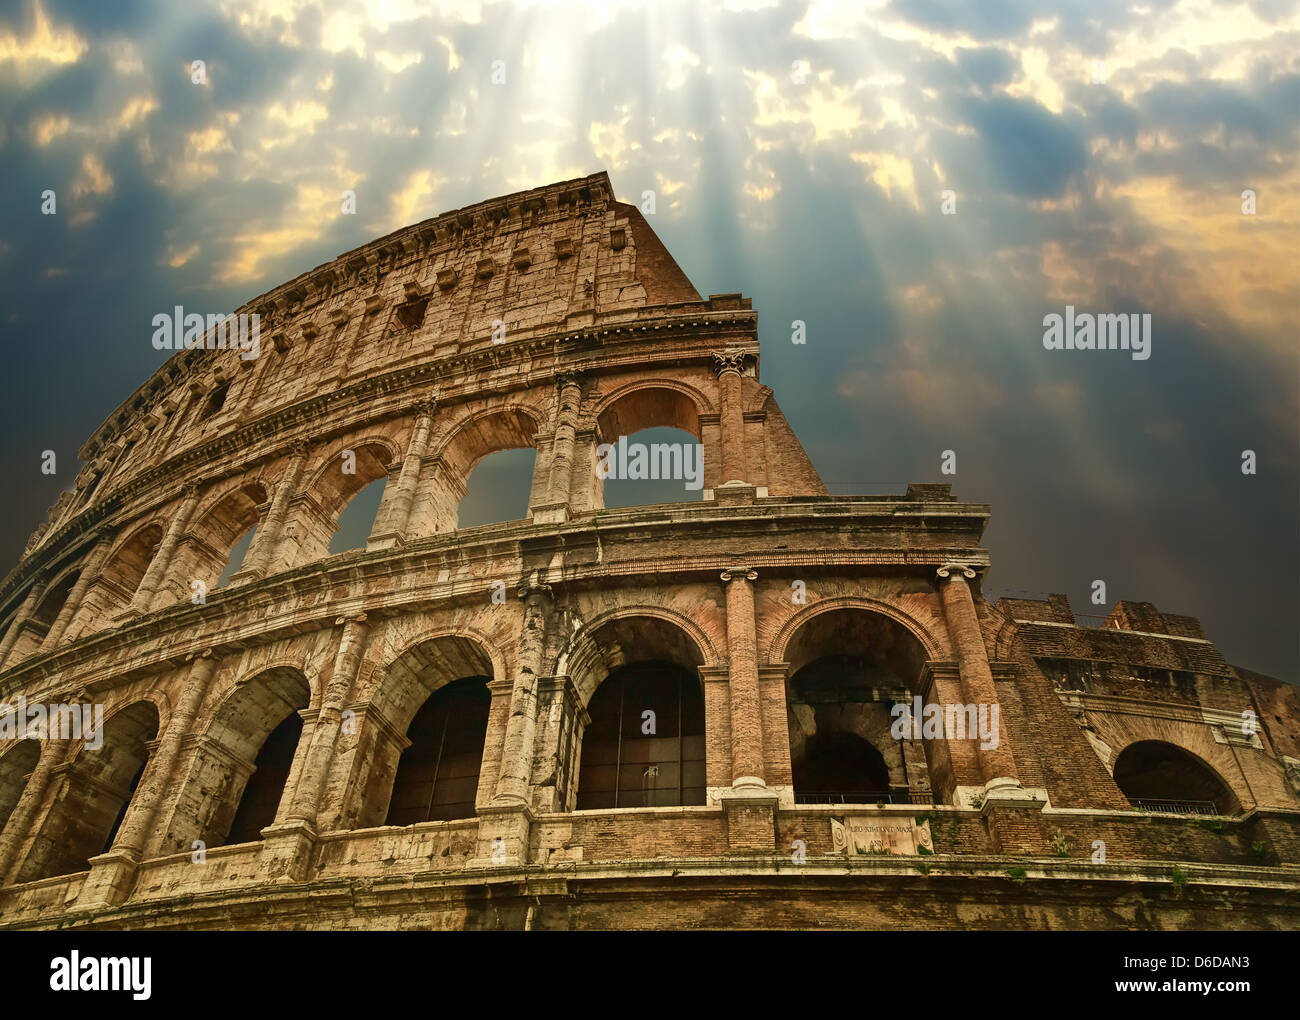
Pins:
x: 123, y: 573
x: 498, y: 488
x: 848, y: 668
x: 438, y: 773
x: 838, y: 765
x: 504, y: 443
x: 644, y: 746
x: 357, y: 520
x: 16, y: 765
x: 659, y: 465
x: 435, y: 693
x: 265, y: 787
x: 649, y: 450
x: 206, y: 552
x: 347, y: 493
x: 53, y: 601
x: 1156, y: 776
x: 91, y: 798
x: 235, y: 562
x: 238, y: 773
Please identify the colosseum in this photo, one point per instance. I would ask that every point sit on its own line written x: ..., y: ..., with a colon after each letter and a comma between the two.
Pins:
x: 770, y: 707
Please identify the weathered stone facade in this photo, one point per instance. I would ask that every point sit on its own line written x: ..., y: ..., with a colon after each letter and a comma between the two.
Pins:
x: 254, y: 738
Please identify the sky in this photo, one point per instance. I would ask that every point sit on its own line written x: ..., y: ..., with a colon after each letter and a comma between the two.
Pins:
x: 919, y: 182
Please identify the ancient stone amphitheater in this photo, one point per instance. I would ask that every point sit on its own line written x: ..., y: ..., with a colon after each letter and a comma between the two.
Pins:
x: 678, y: 715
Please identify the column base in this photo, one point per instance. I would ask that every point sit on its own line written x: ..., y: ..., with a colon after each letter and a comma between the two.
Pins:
x: 503, y: 831
x: 245, y: 576
x: 287, y: 852
x: 750, y: 809
x: 550, y: 513
x: 734, y: 492
x: 110, y: 882
x: 385, y: 540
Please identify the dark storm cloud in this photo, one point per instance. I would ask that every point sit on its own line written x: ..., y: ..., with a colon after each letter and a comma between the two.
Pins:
x: 821, y: 200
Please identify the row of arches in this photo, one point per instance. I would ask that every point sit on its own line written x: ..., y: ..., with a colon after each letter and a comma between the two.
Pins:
x: 485, y: 471
x: 637, y: 737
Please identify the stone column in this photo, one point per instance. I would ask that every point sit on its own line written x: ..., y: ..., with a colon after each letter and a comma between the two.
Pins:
x: 505, y: 822
x: 315, y: 772
x: 728, y: 366
x: 153, y: 576
x: 287, y: 845
x: 390, y: 525
x: 89, y: 571
x: 562, y: 448
x: 112, y: 874
x: 997, y: 765
x: 24, y: 812
x: 260, y: 559
x: 517, y: 752
x: 742, y: 654
x: 20, y: 618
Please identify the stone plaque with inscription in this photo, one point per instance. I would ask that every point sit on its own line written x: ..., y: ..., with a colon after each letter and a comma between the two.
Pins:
x: 879, y: 834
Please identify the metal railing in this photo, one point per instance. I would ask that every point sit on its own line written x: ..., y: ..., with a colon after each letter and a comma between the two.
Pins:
x: 1176, y: 807
x: 847, y: 797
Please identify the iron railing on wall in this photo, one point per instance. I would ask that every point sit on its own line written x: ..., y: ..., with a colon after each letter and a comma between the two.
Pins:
x: 1176, y: 807
x: 846, y: 797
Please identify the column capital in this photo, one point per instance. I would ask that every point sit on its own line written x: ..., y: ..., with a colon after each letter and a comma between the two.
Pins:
x: 729, y: 361
x: 965, y: 570
x: 536, y: 589
x: 356, y: 618
x: 739, y: 573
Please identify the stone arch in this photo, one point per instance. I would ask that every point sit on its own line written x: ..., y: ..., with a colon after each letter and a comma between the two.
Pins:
x: 54, y: 598
x: 583, y: 654
x: 370, y: 755
x: 316, y: 511
x: 848, y: 665
x: 634, y: 668
x: 16, y: 764
x: 229, y: 787
x: 488, y: 431
x: 332, y: 489
x: 1157, y: 775
x: 778, y: 649
x: 456, y: 453
x: 92, y: 792
x: 214, y: 531
x: 650, y: 403
x: 116, y: 584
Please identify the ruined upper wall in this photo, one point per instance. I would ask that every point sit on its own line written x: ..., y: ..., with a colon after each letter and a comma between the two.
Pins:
x: 528, y: 265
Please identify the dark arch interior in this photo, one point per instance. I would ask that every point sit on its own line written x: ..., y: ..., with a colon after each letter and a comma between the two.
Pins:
x: 437, y: 775
x: 847, y: 668
x: 261, y: 798
x: 1160, y: 776
x: 645, y: 744
x: 16, y: 765
x: 838, y: 763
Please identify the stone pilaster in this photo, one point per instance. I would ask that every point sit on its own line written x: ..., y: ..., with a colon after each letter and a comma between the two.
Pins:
x: 728, y: 365
x: 261, y: 558
x: 89, y: 571
x: 997, y: 767
x: 144, y: 595
x: 112, y: 874
x: 24, y: 614
x: 287, y: 846
x: 18, y: 828
x: 742, y: 655
x: 391, y: 522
